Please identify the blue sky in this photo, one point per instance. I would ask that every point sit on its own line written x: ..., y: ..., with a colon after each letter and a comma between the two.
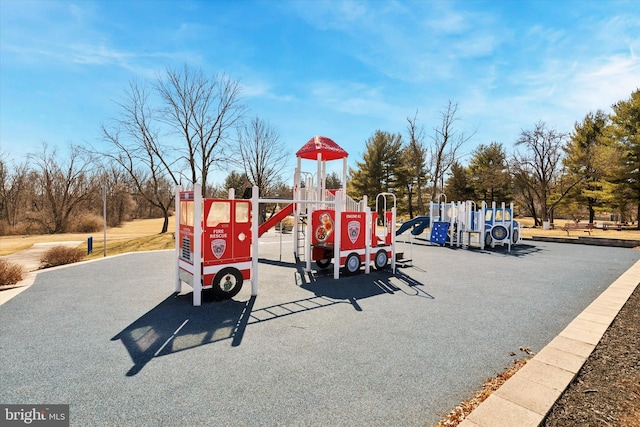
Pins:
x: 336, y: 68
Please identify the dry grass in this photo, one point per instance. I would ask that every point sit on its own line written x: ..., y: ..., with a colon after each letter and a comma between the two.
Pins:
x: 130, y: 230
x: 143, y: 234
x: 146, y: 243
x: 61, y: 255
x: 10, y: 273
x: 528, y: 231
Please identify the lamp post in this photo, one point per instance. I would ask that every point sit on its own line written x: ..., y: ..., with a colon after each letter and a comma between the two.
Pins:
x: 104, y: 217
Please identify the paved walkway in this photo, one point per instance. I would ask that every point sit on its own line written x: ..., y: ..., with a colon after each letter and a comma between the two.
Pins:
x: 110, y: 338
x: 29, y: 259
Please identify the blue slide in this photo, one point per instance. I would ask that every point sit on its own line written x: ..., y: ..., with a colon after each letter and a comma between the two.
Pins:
x: 418, y: 223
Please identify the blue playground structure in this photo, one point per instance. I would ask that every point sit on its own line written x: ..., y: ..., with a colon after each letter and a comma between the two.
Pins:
x: 463, y: 224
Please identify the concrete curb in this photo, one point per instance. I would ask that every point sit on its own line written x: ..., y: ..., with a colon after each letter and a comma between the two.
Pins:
x: 527, y: 397
x: 595, y: 241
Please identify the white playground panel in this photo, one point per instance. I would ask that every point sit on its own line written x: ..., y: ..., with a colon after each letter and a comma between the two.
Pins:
x: 484, y: 226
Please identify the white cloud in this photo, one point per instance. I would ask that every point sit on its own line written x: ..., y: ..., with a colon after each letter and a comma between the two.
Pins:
x: 353, y: 98
x: 261, y: 89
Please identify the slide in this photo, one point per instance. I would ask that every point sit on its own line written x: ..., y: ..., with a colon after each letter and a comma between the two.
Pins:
x: 419, y: 223
x: 284, y: 212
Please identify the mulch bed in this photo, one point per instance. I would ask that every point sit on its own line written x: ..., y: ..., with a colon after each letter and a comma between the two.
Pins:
x: 606, y: 391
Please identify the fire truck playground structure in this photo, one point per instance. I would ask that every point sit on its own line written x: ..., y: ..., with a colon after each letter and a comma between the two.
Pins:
x: 217, y: 239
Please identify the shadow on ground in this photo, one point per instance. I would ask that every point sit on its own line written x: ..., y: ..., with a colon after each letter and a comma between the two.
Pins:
x: 175, y: 325
x: 520, y: 250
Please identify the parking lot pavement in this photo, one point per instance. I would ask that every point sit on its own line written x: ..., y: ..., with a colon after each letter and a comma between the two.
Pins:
x: 112, y: 340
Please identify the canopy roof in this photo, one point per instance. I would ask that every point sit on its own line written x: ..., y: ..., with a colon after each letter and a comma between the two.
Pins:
x: 323, y: 145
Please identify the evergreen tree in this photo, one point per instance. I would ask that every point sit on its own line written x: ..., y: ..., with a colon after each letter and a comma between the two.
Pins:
x: 625, y: 133
x: 489, y: 173
x: 378, y: 170
x: 239, y: 181
x: 588, y: 160
x: 459, y: 185
x: 333, y: 181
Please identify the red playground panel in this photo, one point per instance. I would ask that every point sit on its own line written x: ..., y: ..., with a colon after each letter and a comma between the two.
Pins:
x: 224, y: 260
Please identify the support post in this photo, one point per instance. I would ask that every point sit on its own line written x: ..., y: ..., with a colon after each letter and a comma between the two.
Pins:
x: 344, y: 176
x: 296, y: 211
x: 197, y: 244
x: 481, y: 222
x: 255, y: 218
x: 308, y: 240
x: 319, y: 195
x: 392, y: 229
x: 367, y: 240
x: 178, y: 282
x: 336, y: 237
x: 104, y: 218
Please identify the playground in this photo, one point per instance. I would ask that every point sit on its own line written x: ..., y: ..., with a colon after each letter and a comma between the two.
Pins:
x: 347, y: 320
x: 112, y: 340
x: 217, y: 240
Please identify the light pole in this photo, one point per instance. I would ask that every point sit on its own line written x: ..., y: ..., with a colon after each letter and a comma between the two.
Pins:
x: 104, y: 216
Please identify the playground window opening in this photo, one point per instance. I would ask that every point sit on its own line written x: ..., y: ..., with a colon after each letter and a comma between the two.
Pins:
x: 242, y: 212
x: 186, y: 213
x: 500, y: 215
x: 220, y: 212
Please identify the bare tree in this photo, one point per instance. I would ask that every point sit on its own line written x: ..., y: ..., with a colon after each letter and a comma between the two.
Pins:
x: 136, y: 148
x: 15, y: 189
x: 537, y: 170
x: 61, y: 187
x: 120, y: 203
x: 203, y: 111
x: 415, y: 157
x: 446, y: 142
x: 262, y: 154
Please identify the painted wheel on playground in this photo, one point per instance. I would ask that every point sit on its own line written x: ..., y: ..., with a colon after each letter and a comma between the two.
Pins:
x: 381, y: 259
x: 227, y: 283
x: 352, y: 264
x: 323, y: 263
x: 499, y: 232
x: 515, y: 236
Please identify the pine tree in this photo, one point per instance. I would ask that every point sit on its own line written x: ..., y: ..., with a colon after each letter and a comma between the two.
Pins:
x: 378, y: 171
x: 625, y: 134
x: 588, y: 160
x: 489, y: 173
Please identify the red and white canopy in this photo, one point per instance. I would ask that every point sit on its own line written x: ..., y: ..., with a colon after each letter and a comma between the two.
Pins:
x: 328, y: 149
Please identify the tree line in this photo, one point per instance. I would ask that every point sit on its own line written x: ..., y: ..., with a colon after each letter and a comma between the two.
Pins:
x: 186, y: 126
x: 594, y: 169
x: 181, y: 128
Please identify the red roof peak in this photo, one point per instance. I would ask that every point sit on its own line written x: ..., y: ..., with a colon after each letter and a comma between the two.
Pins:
x: 328, y: 149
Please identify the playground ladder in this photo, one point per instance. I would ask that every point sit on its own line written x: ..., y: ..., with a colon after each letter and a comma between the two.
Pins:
x: 300, y: 238
x: 466, y: 237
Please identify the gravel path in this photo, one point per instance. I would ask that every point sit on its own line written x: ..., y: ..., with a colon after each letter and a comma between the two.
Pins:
x: 109, y: 337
